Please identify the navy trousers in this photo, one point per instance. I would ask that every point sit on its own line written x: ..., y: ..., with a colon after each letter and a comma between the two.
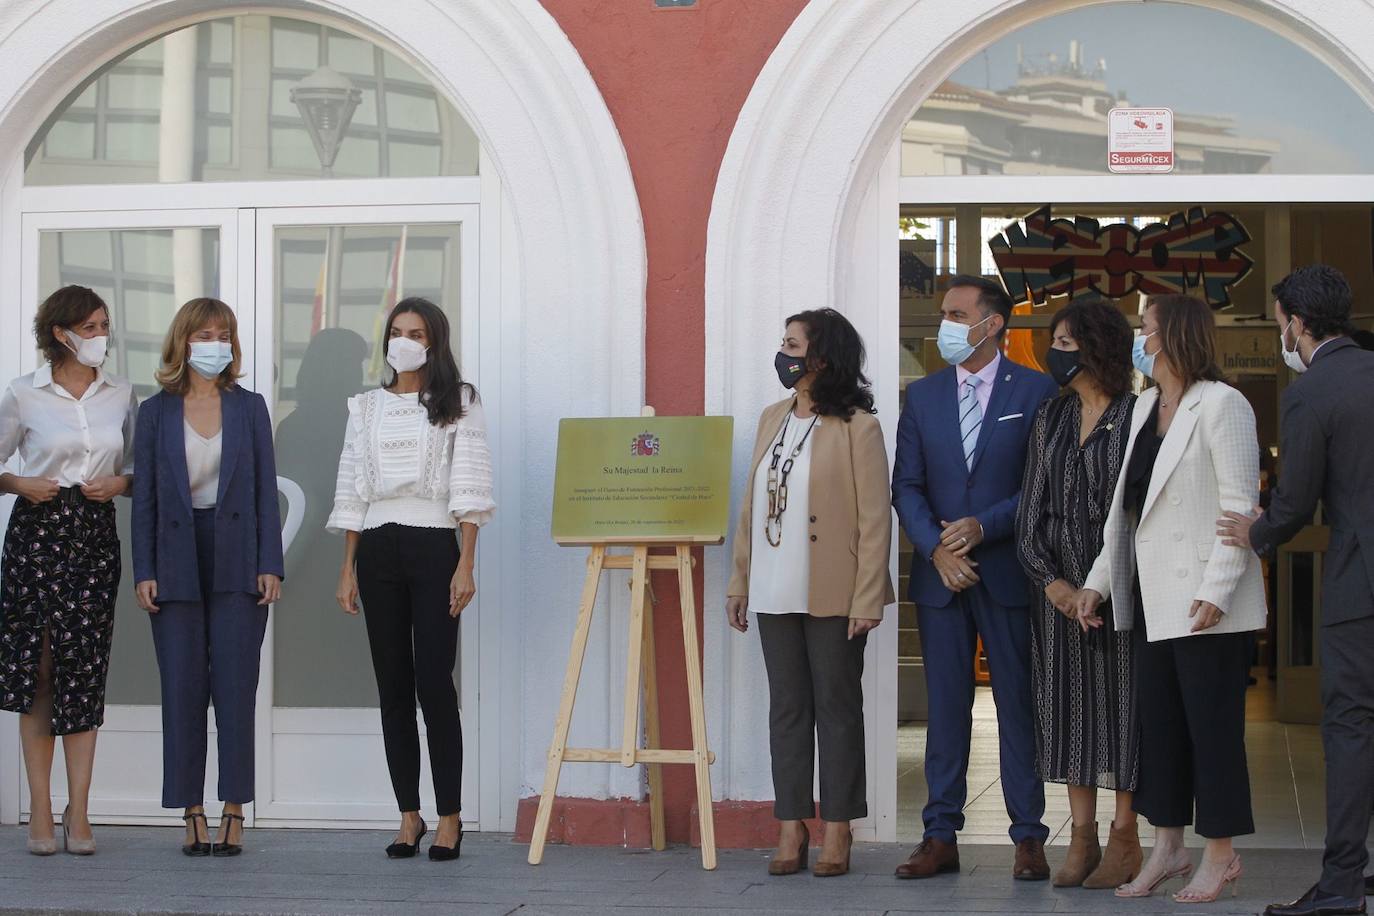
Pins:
x: 208, y: 650
x: 949, y: 641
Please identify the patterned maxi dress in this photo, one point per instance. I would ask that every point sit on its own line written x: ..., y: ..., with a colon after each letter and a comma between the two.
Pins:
x: 1086, y: 729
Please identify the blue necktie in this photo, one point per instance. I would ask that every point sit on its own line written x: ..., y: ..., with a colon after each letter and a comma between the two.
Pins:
x: 970, y: 418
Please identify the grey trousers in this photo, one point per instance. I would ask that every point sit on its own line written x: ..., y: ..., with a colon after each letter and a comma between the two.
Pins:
x: 815, y: 695
x: 1347, y: 682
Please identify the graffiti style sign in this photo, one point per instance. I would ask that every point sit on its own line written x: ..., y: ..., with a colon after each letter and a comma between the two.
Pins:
x: 1194, y: 252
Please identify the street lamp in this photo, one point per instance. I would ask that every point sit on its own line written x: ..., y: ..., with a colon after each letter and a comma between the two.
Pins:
x: 326, y: 100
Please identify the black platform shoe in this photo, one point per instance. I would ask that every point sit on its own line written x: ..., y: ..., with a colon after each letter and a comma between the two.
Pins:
x: 407, y: 850
x: 439, y: 853
x: 198, y: 848
x: 226, y: 849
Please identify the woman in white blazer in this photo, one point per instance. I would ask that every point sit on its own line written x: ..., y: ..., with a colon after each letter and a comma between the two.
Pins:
x: 1192, y: 602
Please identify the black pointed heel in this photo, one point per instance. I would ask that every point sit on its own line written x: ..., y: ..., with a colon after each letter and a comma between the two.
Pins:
x: 226, y: 849
x: 439, y: 853
x: 408, y: 850
x: 199, y: 847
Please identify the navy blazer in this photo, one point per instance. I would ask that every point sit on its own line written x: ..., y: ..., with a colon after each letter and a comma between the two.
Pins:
x: 247, y: 520
x: 931, y: 482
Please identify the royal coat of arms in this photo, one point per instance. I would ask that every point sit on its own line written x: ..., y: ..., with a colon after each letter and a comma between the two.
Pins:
x: 645, y: 445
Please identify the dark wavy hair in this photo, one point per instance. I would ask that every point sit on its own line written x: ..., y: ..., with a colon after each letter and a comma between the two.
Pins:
x: 835, y: 353
x: 1104, y: 341
x: 1320, y: 296
x: 64, y: 308
x: 443, y: 388
x: 1187, y: 338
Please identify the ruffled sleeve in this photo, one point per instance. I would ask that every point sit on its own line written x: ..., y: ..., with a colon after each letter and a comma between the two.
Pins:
x: 350, y: 509
x: 470, y: 479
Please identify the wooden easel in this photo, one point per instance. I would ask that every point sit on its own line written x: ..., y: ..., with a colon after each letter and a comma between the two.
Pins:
x: 640, y: 670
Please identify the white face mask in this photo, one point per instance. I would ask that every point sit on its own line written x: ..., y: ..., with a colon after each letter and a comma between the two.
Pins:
x: 90, y: 351
x: 405, y: 355
x: 1291, y: 358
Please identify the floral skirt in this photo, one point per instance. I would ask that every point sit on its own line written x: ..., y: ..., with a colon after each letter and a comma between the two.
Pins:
x: 60, y: 575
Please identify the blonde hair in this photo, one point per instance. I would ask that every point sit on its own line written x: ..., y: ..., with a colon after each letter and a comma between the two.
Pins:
x: 190, y: 318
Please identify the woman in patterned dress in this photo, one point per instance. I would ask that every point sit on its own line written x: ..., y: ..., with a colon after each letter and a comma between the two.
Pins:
x: 1086, y: 729
x: 73, y: 427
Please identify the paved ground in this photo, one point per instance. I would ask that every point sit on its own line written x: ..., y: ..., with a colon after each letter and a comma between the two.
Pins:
x: 141, y: 870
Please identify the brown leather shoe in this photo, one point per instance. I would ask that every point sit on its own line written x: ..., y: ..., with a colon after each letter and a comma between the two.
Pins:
x: 932, y: 857
x: 1121, y: 862
x: 1030, y: 861
x: 793, y: 864
x: 1084, y: 855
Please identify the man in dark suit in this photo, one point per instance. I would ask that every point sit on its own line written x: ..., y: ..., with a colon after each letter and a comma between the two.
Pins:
x: 961, y: 451
x: 1327, y: 442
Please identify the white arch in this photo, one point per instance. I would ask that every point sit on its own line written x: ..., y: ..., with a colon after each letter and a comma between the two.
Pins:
x: 572, y: 301
x: 808, y: 147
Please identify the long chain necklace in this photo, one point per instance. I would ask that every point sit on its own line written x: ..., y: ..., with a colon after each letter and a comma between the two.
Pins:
x: 777, y: 483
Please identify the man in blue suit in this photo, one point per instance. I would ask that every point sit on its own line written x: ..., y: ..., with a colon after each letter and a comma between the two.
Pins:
x: 961, y: 451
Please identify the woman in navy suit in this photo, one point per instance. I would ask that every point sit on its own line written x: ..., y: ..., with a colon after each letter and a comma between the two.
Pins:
x: 207, y: 560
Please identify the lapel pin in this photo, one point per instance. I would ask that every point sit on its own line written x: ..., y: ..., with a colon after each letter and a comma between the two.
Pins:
x: 1007, y: 377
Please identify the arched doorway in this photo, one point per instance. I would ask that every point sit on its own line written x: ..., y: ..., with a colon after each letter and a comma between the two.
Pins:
x: 812, y: 192
x: 156, y: 158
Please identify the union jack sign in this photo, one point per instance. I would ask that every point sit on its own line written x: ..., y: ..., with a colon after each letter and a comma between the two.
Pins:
x: 1194, y: 252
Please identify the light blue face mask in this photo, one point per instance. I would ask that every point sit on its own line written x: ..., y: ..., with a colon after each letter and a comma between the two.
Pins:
x: 1145, y: 362
x: 210, y: 357
x: 953, y: 341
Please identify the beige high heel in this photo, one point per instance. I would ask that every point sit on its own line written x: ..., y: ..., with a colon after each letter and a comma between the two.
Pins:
x: 75, y: 847
x: 1231, y: 877
x: 1182, y: 871
x: 798, y: 863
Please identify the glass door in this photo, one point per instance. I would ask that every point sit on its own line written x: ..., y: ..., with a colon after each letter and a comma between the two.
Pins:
x: 325, y: 279
x: 144, y: 264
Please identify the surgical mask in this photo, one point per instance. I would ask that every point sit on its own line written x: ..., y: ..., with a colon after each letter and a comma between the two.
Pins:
x: 405, y: 355
x: 791, y: 369
x: 1291, y: 358
x: 1145, y: 362
x: 953, y: 341
x: 211, y: 357
x: 1063, y: 365
x: 90, y: 351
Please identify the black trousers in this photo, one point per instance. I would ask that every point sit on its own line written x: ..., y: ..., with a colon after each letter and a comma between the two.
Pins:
x: 815, y: 692
x: 1347, y: 681
x: 403, y: 580
x: 1191, y: 703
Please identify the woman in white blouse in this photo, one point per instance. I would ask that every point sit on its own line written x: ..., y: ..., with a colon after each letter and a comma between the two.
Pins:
x: 811, y: 561
x: 73, y: 428
x: 414, y: 486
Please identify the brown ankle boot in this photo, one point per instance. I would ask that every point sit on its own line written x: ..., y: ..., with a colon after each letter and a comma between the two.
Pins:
x: 1084, y: 855
x: 1121, y: 862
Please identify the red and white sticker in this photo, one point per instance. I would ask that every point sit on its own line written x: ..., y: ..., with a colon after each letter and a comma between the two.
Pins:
x: 1140, y: 140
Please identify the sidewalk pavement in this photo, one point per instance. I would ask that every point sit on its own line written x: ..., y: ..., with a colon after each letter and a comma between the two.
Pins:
x: 141, y: 870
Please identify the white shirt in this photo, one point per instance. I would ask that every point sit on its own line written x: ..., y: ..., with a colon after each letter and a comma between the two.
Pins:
x: 986, y: 377
x: 780, y: 577
x: 397, y: 467
x: 202, y: 466
x: 61, y: 438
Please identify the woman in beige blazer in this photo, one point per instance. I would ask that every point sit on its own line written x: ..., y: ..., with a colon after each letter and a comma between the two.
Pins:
x: 811, y: 556
x: 1192, y: 601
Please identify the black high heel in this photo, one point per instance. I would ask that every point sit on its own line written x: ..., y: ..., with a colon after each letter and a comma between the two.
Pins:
x: 439, y: 853
x: 408, y: 850
x: 226, y: 849
x: 198, y: 848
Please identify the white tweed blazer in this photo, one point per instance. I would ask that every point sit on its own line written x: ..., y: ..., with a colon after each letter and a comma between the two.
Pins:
x: 1208, y: 462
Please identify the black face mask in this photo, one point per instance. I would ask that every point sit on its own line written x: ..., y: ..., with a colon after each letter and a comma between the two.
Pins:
x: 1063, y: 365
x: 791, y: 369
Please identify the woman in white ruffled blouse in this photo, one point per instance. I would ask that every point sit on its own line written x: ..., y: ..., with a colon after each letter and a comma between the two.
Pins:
x: 414, y: 486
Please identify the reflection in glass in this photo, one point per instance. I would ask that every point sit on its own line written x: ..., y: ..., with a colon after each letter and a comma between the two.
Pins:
x: 1246, y: 100
x: 334, y: 287
x: 143, y: 275
x: 211, y: 102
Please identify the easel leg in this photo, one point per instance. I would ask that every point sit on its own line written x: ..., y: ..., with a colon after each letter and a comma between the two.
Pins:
x: 697, y: 704
x: 565, y: 707
x: 651, y: 729
x: 639, y: 575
